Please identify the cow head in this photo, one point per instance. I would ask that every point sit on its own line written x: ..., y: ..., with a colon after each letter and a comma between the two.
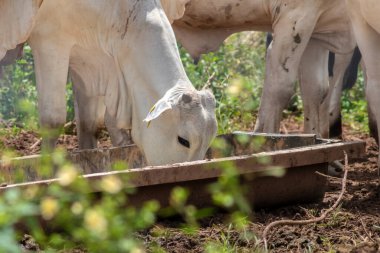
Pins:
x: 182, y: 124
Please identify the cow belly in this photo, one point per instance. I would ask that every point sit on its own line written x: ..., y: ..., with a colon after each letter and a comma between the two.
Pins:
x: 337, y: 42
x: 370, y: 11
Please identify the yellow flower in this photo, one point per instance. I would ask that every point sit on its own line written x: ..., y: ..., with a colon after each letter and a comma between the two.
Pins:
x: 235, y: 87
x: 49, y: 208
x: 76, y: 208
x: 67, y: 174
x: 95, y: 221
x: 137, y: 250
x: 111, y: 184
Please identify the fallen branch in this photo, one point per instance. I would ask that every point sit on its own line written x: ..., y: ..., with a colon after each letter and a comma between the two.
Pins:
x: 38, y: 142
x: 327, y: 176
x: 313, y: 220
x: 336, y: 178
x: 366, y: 231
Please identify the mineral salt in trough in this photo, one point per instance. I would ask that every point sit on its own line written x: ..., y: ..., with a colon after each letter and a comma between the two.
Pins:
x: 300, y: 155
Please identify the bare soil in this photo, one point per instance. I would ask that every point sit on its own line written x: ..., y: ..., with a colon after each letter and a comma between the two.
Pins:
x: 353, y: 227
x: 27, y: 142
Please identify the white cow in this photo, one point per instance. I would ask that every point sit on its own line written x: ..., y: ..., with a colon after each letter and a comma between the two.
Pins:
x: 313, y: 27
x: 137, y: 36
x: 99, y: 90
x: 365, y: 20
x: 343, y: 70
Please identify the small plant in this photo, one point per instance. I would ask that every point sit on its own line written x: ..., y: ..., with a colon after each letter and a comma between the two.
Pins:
x: 337, y: 218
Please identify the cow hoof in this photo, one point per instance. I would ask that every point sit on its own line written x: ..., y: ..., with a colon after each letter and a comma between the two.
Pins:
x: 335, y: 169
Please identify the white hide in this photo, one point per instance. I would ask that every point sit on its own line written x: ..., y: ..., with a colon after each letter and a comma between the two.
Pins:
x: 16, y: 21
x: 138, y: 37
x: 207, y: 23
x: 365, y: 20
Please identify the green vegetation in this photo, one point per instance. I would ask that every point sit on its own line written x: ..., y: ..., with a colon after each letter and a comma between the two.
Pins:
x: 18, y: 93
x: 235, y: 75
x: 81, y: 220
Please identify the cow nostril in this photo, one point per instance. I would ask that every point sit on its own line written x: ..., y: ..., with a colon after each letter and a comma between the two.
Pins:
x: 183, y: 142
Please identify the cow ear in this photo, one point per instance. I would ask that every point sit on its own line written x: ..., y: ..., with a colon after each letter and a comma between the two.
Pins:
x: 207, y: 98
x: 161, y: 106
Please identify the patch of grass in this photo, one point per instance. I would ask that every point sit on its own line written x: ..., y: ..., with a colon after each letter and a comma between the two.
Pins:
x: 329, y: 246
x: 225, y: 243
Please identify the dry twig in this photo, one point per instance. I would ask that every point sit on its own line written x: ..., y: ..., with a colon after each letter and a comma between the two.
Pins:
x: 284, y: 129
x: 38, y: 142
x: 336, y: 178
x: 313, y: 220
x: 208, y: 83
x: 366, y: 231
x: 327, y: 176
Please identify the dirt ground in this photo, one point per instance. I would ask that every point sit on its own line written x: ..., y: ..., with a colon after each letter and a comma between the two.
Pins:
x: 353, y: 227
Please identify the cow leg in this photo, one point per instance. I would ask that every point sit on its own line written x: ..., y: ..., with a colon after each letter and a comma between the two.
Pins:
x: 314, y: 82
x: 290, y: 38
x: 313, y: 76
x: 369, y: 44
x: 119, y: 137
x: 51, y: 59
x: 342, y: 61
x: 85, y: 115
x: 372, y: 124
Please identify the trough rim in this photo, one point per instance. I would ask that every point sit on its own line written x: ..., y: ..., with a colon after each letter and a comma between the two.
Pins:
x: 326, y: 152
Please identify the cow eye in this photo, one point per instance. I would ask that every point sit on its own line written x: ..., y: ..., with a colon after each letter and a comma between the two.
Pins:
x: 183, y: 142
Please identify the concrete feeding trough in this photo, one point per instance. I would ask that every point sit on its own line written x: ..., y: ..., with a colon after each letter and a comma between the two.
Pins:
x: 300, y: 155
